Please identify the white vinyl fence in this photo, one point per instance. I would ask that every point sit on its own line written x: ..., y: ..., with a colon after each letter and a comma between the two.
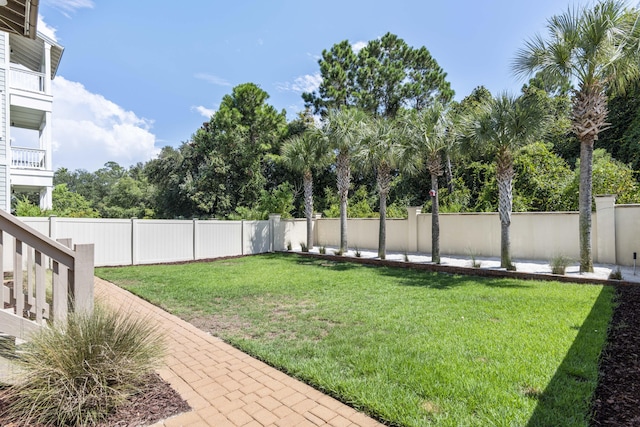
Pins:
x: 139, y: 241
x: 534, y: 235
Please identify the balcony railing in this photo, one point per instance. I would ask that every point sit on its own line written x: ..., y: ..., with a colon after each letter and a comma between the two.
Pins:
x: 27, y: 80
x: 28, y: 158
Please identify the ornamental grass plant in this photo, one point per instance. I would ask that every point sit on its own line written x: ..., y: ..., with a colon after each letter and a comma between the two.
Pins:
x: 78, y: 372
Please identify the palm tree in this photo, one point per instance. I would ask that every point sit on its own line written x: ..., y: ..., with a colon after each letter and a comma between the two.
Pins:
x: 344, y: 129
x: 597, y: 50
x: 428, y: 136
x: 304, y: 153
x: 500, y: 127
x: 379, y: 151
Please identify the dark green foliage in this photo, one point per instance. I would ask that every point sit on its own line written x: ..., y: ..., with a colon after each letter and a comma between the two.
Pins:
x: 541, y: 179
x: 383, y: 77
x: 622, y: 138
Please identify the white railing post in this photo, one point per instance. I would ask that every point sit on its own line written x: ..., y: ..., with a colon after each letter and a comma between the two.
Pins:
x: 81, y: 278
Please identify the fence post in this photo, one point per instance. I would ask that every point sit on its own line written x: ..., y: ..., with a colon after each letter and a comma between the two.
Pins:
x: 274, y: 230
x: 605, y: 229
x: 134, y: 241
x: 196, y: 240
x: 53, y: 227
x: 81, y: 278
x: 242, y: 237
x: 412, y: 228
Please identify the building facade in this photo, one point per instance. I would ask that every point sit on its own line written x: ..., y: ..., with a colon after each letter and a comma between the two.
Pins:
x: 27, y: 67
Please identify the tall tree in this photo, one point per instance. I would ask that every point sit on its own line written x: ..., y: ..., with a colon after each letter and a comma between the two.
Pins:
x: 304, y: 153
x: 226, y: 159
x: 380, y: 78
x: 503, y: 125
x: 597, y: 49
x: 379, y: 151
x: 344, y: 129
x: 429, y: 135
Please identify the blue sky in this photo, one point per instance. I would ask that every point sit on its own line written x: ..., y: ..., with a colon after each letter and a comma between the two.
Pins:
x: 139, y: 75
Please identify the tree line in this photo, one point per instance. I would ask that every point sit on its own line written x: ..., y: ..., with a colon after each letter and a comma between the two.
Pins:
x: 382, y: 133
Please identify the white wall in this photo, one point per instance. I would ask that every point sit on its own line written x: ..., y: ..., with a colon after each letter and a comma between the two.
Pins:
x: 533, y: 236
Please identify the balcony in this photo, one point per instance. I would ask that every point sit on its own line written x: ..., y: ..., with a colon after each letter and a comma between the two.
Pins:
x: 28, y: 158
x: 27, y: 80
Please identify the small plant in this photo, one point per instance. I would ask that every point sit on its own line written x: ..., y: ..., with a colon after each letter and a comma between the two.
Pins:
x: 474, y: 262
x: 615, y: 274
x: 322, y: 250
x: 358, y: 253
x: 288, y: 246
x: 304, y: 247
x: 559, y: 264
x: 78, y: 372
x: 338, y: 252
x: 406, y: 257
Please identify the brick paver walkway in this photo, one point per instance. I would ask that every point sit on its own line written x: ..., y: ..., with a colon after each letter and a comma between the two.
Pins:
x: 226, y: 387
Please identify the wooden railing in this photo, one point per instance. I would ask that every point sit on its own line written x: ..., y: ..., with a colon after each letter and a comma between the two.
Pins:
x: 49, y: 279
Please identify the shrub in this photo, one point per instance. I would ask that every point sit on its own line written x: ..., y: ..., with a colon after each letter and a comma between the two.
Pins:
x: 358, y: 253
x: 304, y: 247
x: 322, y: 250
x: 559, y: 264
x: 78, y: 372
x: 615, y: 274
x: 288, y: 246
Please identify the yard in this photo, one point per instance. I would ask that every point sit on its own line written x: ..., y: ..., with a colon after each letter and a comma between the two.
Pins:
x: 408, y: 347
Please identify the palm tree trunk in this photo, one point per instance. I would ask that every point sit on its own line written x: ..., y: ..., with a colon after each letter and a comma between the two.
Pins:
x: 344, y: 180
x: 308, y: 206
x: 449, y: 173
x: 384, y: 185
x: 586, y: 169
x: 504, y: 176
x: 435, y: 221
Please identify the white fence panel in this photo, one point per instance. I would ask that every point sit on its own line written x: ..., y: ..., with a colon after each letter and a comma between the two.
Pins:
x: 111, y: 237
x: 397, y: 234
x: 627, y: 219
x: 218, y: 239
x: 328, y: 233
x: 294, y: 231
x: 256, y: 237
x: 160, y: 241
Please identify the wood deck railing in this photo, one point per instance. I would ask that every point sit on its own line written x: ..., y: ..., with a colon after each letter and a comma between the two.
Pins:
x: 49, y: 279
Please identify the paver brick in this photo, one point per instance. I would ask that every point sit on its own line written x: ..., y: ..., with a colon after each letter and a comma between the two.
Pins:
x: 269, y: 403
x: 239, y: 417
x: 323, y: 412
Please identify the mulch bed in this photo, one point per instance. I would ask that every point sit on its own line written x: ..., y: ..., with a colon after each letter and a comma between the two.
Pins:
x: 156, y: 401
x: 617, y: 397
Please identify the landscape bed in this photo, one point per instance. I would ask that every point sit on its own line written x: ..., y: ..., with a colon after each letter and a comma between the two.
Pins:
x: 408, y: 347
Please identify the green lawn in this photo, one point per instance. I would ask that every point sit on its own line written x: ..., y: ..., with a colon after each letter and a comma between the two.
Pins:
x: 412, y: 348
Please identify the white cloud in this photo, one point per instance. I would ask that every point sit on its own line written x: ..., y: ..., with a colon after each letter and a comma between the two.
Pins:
x: 358, y: 46
x: 69, y: 6
x: 306, y: 83
x: 46, y: 29
x: 210, y: 78
x: 89, y: 130
x: 204, y: 111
